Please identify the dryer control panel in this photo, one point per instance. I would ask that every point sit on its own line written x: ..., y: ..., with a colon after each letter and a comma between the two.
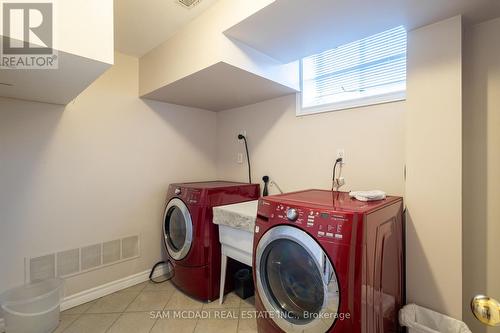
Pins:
x: 188, y: 195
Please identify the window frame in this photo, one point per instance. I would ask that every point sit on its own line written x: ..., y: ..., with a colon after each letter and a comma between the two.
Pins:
x: 390, y: 97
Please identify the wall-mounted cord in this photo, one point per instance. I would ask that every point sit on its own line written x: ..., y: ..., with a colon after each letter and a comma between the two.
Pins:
x: 242, y: 137
x: 273, y: 183
x: 334, y: 179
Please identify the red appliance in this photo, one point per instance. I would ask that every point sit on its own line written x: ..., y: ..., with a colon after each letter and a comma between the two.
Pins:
x: 324, y: 262
x: 190, y: 237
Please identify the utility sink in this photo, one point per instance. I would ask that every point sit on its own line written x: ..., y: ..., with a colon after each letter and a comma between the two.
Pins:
x: 236, y: 224
x: 240, y: 216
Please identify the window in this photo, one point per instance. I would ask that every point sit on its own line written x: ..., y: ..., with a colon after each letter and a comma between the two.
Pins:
x: 368, y: 71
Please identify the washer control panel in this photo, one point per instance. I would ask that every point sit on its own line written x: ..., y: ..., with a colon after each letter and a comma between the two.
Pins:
x: 326, y: 225
x: 292, y: 214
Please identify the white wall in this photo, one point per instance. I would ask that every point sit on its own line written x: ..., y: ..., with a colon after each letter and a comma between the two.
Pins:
x: 481, y: 176
x: 298, y: 152
x: 94, y: 171
x: 434, y: 167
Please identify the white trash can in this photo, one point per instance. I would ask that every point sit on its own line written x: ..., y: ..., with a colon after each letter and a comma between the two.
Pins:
x: 422, y: 320
x: 32, y: 308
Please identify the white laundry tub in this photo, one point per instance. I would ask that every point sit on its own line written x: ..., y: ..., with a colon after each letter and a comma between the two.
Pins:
x: 236, y: 243
x: 236, y: 227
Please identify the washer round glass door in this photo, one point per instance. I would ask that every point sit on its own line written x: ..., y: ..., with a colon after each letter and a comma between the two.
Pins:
x: 177, y: 229
x: 296, y: 281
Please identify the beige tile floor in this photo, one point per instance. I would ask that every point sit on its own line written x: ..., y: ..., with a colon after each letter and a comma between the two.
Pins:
x: 135, y: 309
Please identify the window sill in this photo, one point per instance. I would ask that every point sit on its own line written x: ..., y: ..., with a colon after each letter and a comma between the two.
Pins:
x: 357, y: 103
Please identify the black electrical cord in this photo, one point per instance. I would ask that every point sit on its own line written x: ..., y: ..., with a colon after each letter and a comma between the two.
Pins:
x: 265, y: 192
x: 242, y: 137
x: 153, y: 271
x: 337, y: 161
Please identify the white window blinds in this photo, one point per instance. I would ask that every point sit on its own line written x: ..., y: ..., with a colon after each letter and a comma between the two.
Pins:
x: 371, y: 69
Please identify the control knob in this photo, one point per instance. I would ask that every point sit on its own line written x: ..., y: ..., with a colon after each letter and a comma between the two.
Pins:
x: 292, y: 214
x: 177, y: 191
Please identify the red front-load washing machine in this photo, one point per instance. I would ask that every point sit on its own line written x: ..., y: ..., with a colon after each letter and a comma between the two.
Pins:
x: 192, y: 240
x: 324, y: 262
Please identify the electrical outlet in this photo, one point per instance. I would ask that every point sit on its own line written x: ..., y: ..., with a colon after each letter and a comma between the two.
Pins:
x: 340, y: 181
x: 239, y: 158
x: 242, y: 132
x: 341, y: 154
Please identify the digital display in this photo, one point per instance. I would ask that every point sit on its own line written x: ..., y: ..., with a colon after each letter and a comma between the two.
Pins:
x: 324, y: 215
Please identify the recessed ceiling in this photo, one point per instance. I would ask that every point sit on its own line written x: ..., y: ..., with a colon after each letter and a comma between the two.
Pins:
x: 220, y: 87
x: 58, y: 86
x: 142, y: 25
x: 288, y: 30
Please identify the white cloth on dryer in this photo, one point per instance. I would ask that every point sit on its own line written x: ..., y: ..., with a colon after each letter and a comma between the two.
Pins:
x: 368, y: 195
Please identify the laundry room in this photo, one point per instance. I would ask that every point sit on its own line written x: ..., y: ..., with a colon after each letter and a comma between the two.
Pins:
x: 249, y: 166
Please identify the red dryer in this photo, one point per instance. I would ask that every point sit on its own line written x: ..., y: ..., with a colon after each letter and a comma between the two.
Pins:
x: 190, y: 237
x: 324, y: 262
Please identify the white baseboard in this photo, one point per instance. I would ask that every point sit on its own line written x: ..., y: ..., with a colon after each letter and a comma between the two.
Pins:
x: 102, y: 290
x: 108, y: 288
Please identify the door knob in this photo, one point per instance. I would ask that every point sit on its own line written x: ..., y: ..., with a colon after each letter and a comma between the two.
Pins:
x: 486, y: 310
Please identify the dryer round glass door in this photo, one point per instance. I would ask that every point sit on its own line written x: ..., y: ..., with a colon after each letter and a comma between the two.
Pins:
x: 177, y: 229
x: 296, y: 281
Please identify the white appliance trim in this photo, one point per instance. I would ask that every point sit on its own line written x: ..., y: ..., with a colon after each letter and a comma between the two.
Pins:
x: 183, y: 252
